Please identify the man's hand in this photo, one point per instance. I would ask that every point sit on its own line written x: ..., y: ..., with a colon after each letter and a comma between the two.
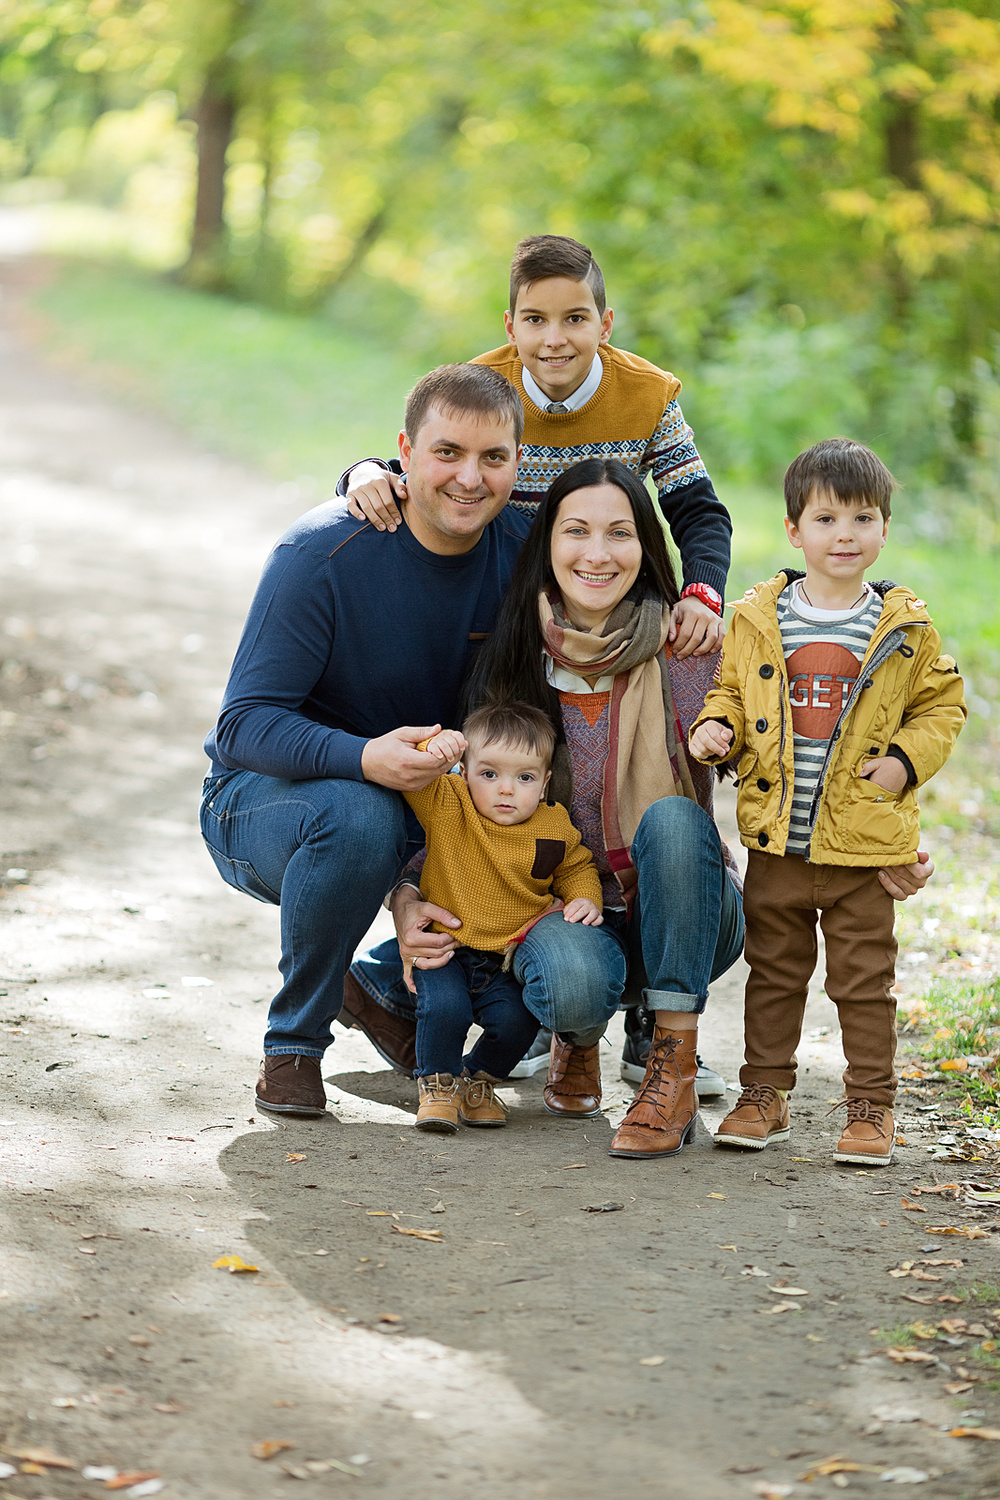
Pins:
x: 887, y: 772
x: 902, y: 881
x: 372, y: 495
x: 695, y: 630
x: 393, y: 759
x: 583, y: 910
x: 710, y: 739
x: 417, y: 946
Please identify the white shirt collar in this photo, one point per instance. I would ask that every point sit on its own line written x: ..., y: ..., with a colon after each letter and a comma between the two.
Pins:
x: 565, y: 681
x: 580, y: 396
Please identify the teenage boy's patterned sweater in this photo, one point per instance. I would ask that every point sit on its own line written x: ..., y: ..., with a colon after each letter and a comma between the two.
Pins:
x: 497, y: 878
x: 633, y: 416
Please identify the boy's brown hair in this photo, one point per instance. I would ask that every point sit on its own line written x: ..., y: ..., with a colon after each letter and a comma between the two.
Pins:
x: 514, y: 724
x: 542, y: 255
x: 464, y: 388
x: 840, y: 468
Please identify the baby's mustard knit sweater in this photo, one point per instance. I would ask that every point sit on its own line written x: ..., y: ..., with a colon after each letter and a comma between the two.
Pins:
x: 497, y: 878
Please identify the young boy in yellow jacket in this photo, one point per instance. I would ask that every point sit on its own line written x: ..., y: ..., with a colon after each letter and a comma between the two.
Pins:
x: 500, y: 859
x: 836, y: 697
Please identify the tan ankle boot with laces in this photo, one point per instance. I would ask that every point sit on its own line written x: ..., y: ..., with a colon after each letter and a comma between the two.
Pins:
x: 440, y: 1095
x: 479, y: 1104
x: 869, y: 1135
x: 760, y: 1117
x: 662, y: 1116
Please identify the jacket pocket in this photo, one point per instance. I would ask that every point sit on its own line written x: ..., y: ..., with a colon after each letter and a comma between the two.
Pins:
x: 879, y: 820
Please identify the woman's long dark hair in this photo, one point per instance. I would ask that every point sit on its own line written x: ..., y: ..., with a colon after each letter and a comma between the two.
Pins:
x: 510, y: 665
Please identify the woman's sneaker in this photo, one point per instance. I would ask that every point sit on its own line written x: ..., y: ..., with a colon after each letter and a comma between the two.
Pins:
x: 536, y: 1059
x: 440, y: 1096
x: 639, y: 1024
x: 760, y: 1117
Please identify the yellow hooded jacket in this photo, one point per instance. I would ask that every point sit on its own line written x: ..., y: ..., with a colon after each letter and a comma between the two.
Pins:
x: 907, y: 695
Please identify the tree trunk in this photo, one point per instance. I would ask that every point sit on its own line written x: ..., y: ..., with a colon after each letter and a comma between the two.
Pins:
x: 902, y: 142
x: 215, y: 116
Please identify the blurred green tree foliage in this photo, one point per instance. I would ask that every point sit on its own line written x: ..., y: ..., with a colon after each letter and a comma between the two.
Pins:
x: 796, y: 202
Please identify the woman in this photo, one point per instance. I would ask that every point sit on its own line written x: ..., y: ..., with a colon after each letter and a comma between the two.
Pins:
x: 582, y: 634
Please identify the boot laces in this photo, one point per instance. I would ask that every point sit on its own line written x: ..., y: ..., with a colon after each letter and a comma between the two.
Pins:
x: 760, y: 1095
x: 441, y: 1087
x: 861, y: 1110
x: 660, y: 1053
x: 479, y: 1091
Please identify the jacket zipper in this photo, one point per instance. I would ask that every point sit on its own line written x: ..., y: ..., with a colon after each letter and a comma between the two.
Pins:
x: 781, y: 746
x: 891, y: 644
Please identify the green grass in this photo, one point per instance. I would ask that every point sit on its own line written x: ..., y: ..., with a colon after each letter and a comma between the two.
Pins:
x: 962, y: 1018
x: 301, y: 399
x: 288, y: 394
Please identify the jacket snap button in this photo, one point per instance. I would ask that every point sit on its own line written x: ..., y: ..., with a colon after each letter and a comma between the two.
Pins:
x: 763, y: 839
x: 767, y: 670
x: 760, y: 725
x: 764, y: 784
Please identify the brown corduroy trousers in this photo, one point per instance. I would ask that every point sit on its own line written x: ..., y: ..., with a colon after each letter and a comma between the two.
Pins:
x: 783, y: 895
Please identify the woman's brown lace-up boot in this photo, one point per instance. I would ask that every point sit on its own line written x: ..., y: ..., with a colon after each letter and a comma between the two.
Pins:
x: 661, y: 1117
x: 573, y: 1086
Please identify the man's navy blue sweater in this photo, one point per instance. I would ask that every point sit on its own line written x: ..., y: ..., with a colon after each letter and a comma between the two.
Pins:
x: 352, y: 633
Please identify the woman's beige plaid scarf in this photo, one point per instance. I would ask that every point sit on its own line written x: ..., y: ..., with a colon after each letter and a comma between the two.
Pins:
x: 646, y: 755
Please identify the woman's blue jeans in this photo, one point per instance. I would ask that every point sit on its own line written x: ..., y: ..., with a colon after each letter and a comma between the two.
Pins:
x: 687, y: 929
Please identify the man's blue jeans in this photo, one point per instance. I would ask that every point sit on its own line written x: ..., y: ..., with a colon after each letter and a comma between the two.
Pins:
x: 326, y: 852
x: 472, y: 986
x: 687, y: 930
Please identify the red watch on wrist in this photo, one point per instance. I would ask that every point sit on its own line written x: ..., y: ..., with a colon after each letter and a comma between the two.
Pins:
x: 706, y: 594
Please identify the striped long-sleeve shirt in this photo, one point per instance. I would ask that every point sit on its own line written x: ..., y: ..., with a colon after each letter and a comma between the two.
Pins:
x: 823, y: 651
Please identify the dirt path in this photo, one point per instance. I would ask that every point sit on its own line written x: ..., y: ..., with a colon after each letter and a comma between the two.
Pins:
x: 539, y: 1350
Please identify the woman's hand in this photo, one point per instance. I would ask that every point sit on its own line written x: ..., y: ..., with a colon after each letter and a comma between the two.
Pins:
x: 583, y: 910
x: 710, y: 740
x: 903, y: 881
x: 418, y: 947
x: 695, y: 630
x: 887, y: 772
x: 372, y: 495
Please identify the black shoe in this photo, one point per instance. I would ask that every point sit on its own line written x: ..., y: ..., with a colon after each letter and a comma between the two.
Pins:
x: 639, y: 1024
x: 536, y: 1058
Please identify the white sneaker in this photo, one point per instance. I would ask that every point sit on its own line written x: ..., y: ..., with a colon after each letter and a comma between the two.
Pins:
x: 537, y: 1056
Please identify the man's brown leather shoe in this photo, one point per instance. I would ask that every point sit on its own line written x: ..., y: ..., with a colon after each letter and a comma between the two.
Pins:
x: 661, y: 1117
x: 869, y: 1135
x: 291, y: 1084
x: 574, y: 1082
x: 759, y: 1117
x: 393, y: 1037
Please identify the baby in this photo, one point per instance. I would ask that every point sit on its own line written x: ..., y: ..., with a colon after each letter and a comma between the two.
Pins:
x: 499, y: 858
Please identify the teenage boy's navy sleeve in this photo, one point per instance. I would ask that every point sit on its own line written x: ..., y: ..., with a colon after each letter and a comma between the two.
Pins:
x: 284, y: 651
x: 699, y: 522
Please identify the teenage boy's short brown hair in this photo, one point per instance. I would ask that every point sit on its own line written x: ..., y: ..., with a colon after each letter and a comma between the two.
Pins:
x: 841, y: 468
x: 464, y: 388
x: 542, y: 255
x: 518, y: 725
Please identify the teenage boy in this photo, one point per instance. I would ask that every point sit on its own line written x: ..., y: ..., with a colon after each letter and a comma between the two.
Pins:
x: 836, y: 697
x: 583, y: 398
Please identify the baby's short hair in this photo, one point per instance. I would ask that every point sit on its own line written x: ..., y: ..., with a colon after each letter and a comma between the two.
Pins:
x: 517, y: 725
x: 543, y: 255
x: 841, y: 468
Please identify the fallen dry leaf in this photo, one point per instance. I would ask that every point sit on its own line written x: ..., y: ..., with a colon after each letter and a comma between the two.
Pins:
x: 233, y: 1264
x: 433, y: 1235
x: 169, y: 1408
x: 779, y: 1307
x: 389, y: 1318
x: 126, y: 1481
x: 440, y: 1209
x: 939, y: 1262
x: 911, y: 1357
x: 905, y: 1475
x: 924, y: 1276
x: 950, y: 1188
x: 296, y: 1156
x: 654, y: 1359
x: 575, y: 1166
x: 140, y: 1340
x: 967, y: 1231
x: 988, y: 1434
x: 603, y: 1208
x: 789, y: 1291
x: 954, y: 1065
x: 947, y: 1297
x: 753, y: 1271
x: 913, y: 1208
x: 377, y: 1213
x: 42, y: 1456
x: 296, y: 1471
x: 913, y: 1297
x: 769, y: 1491
x: 838, y: 1466
x: 923, y: 1330
x: 958, y: 1387
x: 268, y: 1447
x: 720, y: 1196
